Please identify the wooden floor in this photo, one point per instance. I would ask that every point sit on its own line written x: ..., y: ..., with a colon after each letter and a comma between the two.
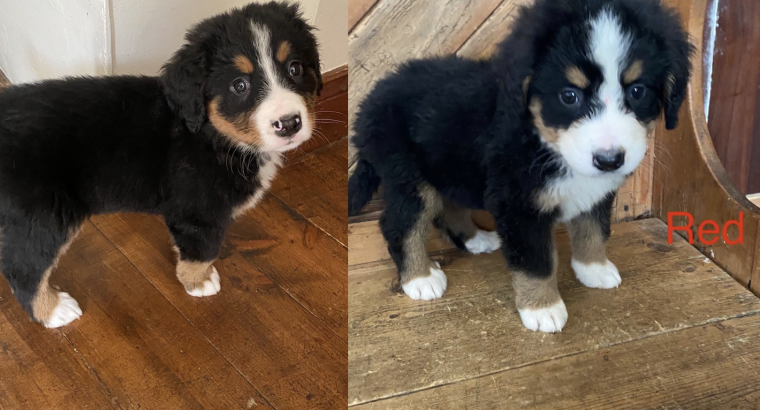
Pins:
x: 679, y: 333
x: 275, y: 337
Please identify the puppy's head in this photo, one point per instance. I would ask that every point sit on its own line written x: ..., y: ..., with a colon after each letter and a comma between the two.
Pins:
x: 602, y: 72
x: 252, y: 73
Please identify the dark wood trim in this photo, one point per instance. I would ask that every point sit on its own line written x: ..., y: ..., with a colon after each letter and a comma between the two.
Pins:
x: 332, y: 112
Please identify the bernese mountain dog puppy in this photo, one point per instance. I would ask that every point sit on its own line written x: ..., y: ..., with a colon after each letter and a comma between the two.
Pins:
x: 199, y: 144
x: 544, y: 132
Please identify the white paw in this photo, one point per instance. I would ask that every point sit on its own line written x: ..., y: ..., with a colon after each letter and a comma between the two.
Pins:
x: 65, y: 312
x: 596, y: 275
x: 483, y: 242
x: 428, y: 288
x: 210, y: 287
x: 551, y: 319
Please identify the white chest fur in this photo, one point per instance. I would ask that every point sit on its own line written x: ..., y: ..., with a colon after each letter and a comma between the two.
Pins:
x: 575, y: 194
x: 271, y: 162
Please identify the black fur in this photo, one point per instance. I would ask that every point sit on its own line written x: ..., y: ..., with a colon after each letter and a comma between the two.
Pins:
x: 76, y: 147
x: 463, y: 127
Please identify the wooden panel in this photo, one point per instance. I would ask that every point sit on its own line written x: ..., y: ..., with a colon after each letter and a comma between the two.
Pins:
x: 482, y: 44
x: 288, y: 354
x: 735, y: 95
x: 689, y: 176
x: 356, y: 10
x: 366, y: 244
x: 332, y: 113
x: 712, y: 366
x: 143, y: 349
x: 398, y: 345
x: 316, y: 188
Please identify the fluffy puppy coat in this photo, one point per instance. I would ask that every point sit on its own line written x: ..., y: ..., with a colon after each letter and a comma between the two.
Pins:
x: 198, y: 145
x: 546, y: 131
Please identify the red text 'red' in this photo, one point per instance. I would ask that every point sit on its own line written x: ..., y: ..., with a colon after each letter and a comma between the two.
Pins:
x: 706, y: 229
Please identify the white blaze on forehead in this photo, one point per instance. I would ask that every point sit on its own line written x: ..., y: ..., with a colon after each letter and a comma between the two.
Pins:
x: 609, y: 47
x: 262, y: 40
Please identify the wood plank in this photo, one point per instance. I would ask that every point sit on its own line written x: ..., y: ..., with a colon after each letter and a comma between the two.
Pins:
x: 712, y: 366
x: 398, y: 345
x: 735, y: 95
x: 290, y: 356
x: 356, y: 11
x: 397, y: 31
x: 306, y: 262
x: 482, y: 43
x: 41, y: 369
x: 689, y: 176
x: 139, y: 345
x: 366, y: 244
x: 315, y: 187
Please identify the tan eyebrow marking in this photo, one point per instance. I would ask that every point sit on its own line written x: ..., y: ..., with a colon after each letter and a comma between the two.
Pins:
x: 576, y: 77
x: 283, y: 52
x: 243, y: 64
x: 633, y: 72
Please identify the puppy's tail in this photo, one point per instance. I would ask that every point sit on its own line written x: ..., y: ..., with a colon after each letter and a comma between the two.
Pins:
x: 362, y: 184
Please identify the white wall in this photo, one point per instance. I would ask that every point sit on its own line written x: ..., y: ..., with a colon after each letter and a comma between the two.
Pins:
x: 52, y: 38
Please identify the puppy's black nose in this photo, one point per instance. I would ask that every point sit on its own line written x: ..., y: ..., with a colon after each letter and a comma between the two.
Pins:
x: 609, y: 160
x: 287, y: 125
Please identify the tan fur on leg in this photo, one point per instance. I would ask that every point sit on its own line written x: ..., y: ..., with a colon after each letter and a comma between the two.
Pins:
x: 587, y: 240
x: 458, y: 220
x: 417, y: 263
x: 46, y: 298
x: 193, y: 275
x: 536, y: 293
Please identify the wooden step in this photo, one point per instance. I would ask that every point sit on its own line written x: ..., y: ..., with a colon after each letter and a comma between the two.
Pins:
x: 669, y: 334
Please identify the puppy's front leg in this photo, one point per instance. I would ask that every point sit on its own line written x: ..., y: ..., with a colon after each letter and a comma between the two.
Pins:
x: 532, y: 259
x: 197, y: 248
x: 588, y: 234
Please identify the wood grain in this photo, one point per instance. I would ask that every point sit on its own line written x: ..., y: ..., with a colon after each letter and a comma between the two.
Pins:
x: 356, y: 10
x: 315, y: 187
x: 689, y: 176
x: 398, y: 345
x: 142, y: 348
x: 289, y: 355
x: 735, y: 95
x: 710, y: 366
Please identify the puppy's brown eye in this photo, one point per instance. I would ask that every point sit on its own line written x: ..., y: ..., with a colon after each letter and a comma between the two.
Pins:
x: 295, y: 69
x: 570, y: 97
x: 240, y: 86
x: 637, y: 92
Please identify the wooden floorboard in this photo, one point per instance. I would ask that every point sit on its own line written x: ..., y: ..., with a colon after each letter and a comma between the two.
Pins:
x: 399, y: 347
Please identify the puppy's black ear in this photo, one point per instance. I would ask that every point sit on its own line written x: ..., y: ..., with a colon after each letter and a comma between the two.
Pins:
x: 182, y: 79
x: 679, y: 55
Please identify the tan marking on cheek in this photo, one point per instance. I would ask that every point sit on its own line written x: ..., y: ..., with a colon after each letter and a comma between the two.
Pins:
x: 283, y: 51
x: 587, y: 240
x: 536, y: 293
x: 243, y: 64
x: 633, y: 72
x: 239, y: 130
x: 193, y: 274
x: 548, y: 134
x: 576, y: 77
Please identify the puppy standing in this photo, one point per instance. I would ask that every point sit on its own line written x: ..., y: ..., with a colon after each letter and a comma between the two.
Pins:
x: 545, y: 132
x: 198, y: 145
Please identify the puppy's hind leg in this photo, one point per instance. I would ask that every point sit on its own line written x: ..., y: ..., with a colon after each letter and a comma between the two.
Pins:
x: 405, y: 224
x: 456, y: 222
x: 28, y: 254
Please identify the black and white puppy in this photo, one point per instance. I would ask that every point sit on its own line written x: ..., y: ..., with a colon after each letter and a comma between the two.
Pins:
x: 546, y: 131
x: 198, y: 145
